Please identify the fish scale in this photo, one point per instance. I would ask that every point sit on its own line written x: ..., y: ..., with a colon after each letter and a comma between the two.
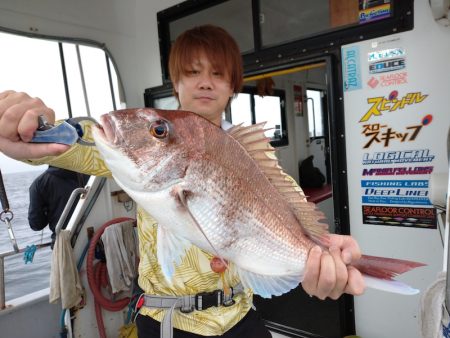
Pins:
x: 267, y: 226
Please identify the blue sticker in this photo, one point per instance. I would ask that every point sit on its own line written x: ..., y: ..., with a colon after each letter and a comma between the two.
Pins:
x: 395, y: 200
x: 399, y: 156
x: 394, y: 184
x: 351, y: 69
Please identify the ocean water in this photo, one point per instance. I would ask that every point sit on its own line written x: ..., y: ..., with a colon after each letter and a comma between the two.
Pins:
x: 21, y: 278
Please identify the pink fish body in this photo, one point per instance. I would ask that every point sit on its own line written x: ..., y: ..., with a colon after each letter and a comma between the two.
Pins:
x: 223, y: 192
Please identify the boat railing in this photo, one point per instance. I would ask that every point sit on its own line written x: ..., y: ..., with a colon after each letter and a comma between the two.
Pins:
x: 62, y: 223
x: 2, y: 269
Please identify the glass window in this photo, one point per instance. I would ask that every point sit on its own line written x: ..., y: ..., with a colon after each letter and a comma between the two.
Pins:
x: 315, y: 113
x: 235, y: 16
x: 241, y: 109
x: 250, y: 108
x: 298, y: 19
x: 95, y: 71
x: 169, y: 102
x: 293, y: 20
x: 35, y: 66
x: 74, y: 80
x: 268, y: 109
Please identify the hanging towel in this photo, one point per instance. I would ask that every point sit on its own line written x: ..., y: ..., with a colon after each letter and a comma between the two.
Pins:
x: 119, y: 241
x: 64, y: 279
x: 433, y: 317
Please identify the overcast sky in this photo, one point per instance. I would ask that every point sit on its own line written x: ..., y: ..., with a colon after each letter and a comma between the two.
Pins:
x: 9, y: 165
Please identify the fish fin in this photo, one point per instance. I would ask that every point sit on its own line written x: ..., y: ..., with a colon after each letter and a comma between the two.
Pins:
x: 384, y: 268
x: 268, y: 286
x: 379, y: 273
x: 170, y: 251
x: 257, y: 144
x: 389, y: 285
x: 182, y: 197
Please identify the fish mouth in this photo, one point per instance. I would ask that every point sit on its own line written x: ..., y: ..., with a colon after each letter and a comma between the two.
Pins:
x: 106, y: 130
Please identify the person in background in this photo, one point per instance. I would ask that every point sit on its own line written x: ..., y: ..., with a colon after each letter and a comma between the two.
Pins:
x: 206, y: 72
x: 49, y: 194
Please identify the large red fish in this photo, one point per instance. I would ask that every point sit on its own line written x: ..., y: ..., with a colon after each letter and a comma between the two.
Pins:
x: 224, y: 192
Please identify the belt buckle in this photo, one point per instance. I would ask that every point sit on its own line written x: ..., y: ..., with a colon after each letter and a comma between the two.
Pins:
x: 205, y: 300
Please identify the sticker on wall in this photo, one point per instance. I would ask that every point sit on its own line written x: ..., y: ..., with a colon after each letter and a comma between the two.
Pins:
x: 399, y: 216
x: 373, y: 10
x: 386, y: 54
x: 351, y: 70
x: 392, y: 103
x: 386, y: 41
x: 398, y: 156
x: 383, y: 134
x: 403, y: 192
x: 394, y: 183
x: 298, y: 100
x: 396, y: 196
x: 387, y: 66
x: 397, y: 171
x: 387, y: 80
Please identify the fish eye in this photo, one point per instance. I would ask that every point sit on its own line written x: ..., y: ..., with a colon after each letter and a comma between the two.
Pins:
x: 159, y: 129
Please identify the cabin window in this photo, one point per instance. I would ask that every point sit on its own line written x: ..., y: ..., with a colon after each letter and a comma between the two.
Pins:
x: 315, y: 104
x: 296, y: 19
x: 234, y: 16
x: 249, y: 107
x: 268, y: 30
x: 73, y: 79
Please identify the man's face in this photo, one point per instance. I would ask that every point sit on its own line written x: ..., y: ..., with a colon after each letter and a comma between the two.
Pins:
x: 204, y: 90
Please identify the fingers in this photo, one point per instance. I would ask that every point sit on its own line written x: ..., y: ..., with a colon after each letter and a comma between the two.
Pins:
x: 349, y: 247
x: 312, y: 271
x: 19, y: 115
x: 327, y: 278
x: 328, y: 275
x: 20, y: 150
x: 18, y: 121
x: 356, y: 284
x: 341, y: 273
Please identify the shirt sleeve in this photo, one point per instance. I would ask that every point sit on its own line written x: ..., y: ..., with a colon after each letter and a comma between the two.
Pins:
x: 79, y: 158
x: 37, y: 210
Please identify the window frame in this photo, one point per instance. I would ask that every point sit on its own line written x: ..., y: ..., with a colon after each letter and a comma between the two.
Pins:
x: 252, y: 90
x: 402, y: 19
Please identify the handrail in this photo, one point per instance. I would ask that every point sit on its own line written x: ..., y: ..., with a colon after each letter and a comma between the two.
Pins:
x: 59, y: 226
x: 61, y: 222
x: 69, y: 205
x: 2, y: 270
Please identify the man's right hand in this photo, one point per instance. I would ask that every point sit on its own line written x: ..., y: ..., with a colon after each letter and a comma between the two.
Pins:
x: 18, y: 121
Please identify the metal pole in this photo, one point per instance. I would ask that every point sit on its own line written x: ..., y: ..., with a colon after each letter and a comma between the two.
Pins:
x: 447, y: 285
x: 2, y: 283
x: 68, y: 207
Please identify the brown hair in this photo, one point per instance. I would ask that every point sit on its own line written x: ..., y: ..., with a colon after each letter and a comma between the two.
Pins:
x: 219, y: 47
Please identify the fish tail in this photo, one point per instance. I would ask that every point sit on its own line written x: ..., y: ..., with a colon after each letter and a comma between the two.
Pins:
x: 379, y: 273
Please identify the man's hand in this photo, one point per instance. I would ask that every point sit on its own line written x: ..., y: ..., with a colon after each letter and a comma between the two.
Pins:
x: 18, y: 121
x: 328, y: 273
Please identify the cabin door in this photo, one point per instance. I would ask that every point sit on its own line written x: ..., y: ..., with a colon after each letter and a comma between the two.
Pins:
x: 306, y: 112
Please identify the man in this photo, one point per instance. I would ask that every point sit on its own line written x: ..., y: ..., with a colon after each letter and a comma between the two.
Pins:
x: 49, y: 194
x: 206, y: 72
